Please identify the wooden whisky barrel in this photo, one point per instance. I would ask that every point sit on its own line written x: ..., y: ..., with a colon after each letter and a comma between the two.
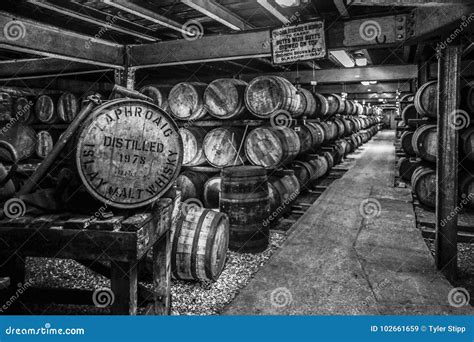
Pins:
x: 329, y: 158
x: 244, y: 198
x: 406, y: 143
x: 186, y: 101
x: 330, y: 130
x: 266, y: 95
x: 199, y: 245
x: 406, y: 167
x: 333, y: 104
x: 322, y: 106
x: 287, y: 188
x: 21, y: 137
x: 341, y: 128
x: 67, y: 107
x: 272, y: 146
x: 159, y: 95
x: 410, y: 113
x: 426, y: 100
x: 212, y: 192
x: 23, y: 110
x: 466, y: 188
x: 224, y: 98
x: 6, y: 107
x: 320, y: 166
x: 425, y: 143
x: 303, y: 172
x: 223, y: 146
x: 45, y: 109
x: 44, y: 144
x: 193, y: 140
x: 348, y: 126
x: 406, y: 100
x: 307, y: 104
x: 191, y: 184
x: 129, y: 153
x: 317, y: 134
x: 423, y: 183
x: 466, y: 142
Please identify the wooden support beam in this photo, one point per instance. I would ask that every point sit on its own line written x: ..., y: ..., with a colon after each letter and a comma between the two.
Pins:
x: 38, y: 86
x: 24, y: 35
x: 341, y: 8
x: 371, y: 73
x: 253, y: 44
x: 219, y: 13
x: 43, y: 66
x: 274, y: 11
x: 55, y: 75
x: 447, y: 160
x: 108, y: 24
x: 142, y: 12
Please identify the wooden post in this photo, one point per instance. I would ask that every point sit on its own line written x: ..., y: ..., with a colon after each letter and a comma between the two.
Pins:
x: 447, y: 161
x: 124, y: 285
x: 162, y: 275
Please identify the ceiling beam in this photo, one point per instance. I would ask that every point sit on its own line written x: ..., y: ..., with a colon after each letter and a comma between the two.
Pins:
x: 24, y: 35
x: 251, y: 44
x: 61, y: 85
x: 341, y: 8
x: 36, y: 66
x: 77, y: 15
x: 55, y: 75
x: 142, y: 12
x: 371, y: 73
x: 411, y: 3
x: 219, y: 13
x: 273, y: 11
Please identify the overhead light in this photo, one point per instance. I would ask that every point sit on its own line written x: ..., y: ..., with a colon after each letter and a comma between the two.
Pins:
x: 365, y: 83
x: 313, y: 83
x: 373, y: 82
x: 369, y: 89
x: 361, y: 61
x: 288, y: 3
x: 343, y: 58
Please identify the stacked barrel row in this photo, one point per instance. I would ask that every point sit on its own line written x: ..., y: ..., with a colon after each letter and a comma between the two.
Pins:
x: 21, y: 116
x: 422, y: 142
x: 252, y: 197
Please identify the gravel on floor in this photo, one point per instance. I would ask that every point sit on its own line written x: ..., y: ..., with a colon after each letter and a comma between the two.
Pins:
x: 188, y: 298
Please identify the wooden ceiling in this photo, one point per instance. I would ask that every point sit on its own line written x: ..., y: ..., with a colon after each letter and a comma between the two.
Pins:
x: 138, y: 23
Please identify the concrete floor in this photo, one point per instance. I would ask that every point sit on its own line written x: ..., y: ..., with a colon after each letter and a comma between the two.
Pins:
x: 336, y: 262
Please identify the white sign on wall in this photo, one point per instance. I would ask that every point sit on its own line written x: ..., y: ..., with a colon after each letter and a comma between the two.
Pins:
x: 301, y: 42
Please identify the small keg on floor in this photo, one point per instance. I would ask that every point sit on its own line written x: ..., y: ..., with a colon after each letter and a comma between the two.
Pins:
x: 199, y: 245
x: 244, y: 198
